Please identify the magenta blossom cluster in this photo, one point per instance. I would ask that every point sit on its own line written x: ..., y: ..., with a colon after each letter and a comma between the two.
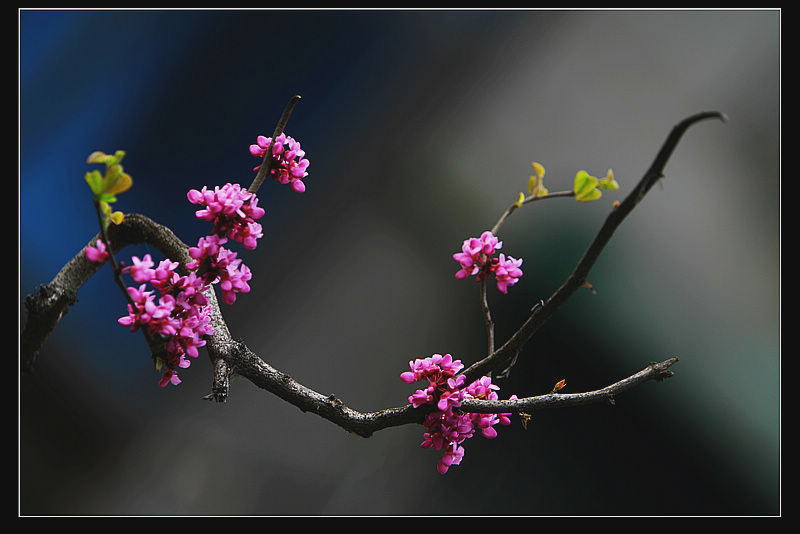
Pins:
x: 176, y: 311
x: 289, y: 164
x: 233, y: 211
x: 216, y: 264
x: 477, y: 258
x: 447, y: 426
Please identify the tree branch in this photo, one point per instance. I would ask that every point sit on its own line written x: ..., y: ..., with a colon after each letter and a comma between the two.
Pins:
x: 654, y: 371
x: 501, y: 357
x: 51, y: 301
x: 239, y: 359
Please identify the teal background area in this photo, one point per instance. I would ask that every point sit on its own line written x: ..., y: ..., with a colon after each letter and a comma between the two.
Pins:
x: 421, y: 127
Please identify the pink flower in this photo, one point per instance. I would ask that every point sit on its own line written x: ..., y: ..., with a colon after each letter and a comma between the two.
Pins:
x: 145, y: 313
x: 507, y: 272
x: 435, y: 369
x: 289, y: 165
x: 482, y: 389
x: 207, y: 248
x: 475, y: 254
x: 232, y: 209
x: 451, y: 456
x: 220, y: 265
x: 448, y: 427
x: 141, y: 270
x: 177, y: 311
x: 477, y: 259
x: 420, y: 397
x: 234, y: 280
x: 170, y: 376
x: 247, y: 234
x: 98, y: 253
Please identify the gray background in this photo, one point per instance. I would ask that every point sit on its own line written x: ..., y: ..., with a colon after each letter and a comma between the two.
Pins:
x: 420, y: 127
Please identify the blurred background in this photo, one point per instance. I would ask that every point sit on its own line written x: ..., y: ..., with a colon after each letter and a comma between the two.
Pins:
x: 421, y: 127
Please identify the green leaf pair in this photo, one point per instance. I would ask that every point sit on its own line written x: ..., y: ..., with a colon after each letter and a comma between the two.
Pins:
x: 587, y: 187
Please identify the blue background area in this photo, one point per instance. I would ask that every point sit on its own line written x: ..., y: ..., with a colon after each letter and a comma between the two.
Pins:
x: 420, y: 127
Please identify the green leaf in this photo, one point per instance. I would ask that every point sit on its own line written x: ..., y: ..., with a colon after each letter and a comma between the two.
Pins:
x: 117, y: 157
x: 97, y: 157
x: 95, y: 181
x: 592, y: 195
x: 585, y: 187
x: 119, y: 183
x: 608, y: 182
x: 538, y: 169
x: 116, y: 217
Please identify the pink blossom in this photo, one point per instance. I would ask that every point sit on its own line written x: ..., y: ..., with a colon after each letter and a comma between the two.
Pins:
x: 475, y: 254
x: 482, y: 388
x: 421, y: 396
x: 477, y: 259
x: 451, y: 456
x: 220, y: 265
x: 170, y: 376
x: 234, y: 280
x: 247, y: 234
x: 447, y: 426
x: 289, y: 165
x: 207, y: 249
x: 177, y: 310
x: 141, y: 270
x: 507, y: 272
x: 232, y: 209
x: 180, y: 314
x: 146, y: 313
x: 97, y: 253
x: 435, y: 369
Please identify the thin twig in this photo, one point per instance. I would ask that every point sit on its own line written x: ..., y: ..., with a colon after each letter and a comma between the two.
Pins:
x: 655, y: 371
x: 157, y: 346
x: 530, y: 198
x: 487, y: 316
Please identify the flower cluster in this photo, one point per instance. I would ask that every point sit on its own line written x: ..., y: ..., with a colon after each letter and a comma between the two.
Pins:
x: 447, y: 426
x: 233, y: 211
x: 178, y: 314
x: 216, y: 264
x: 176, y: 311
x: 289, y: 165
x: 477, y: 258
